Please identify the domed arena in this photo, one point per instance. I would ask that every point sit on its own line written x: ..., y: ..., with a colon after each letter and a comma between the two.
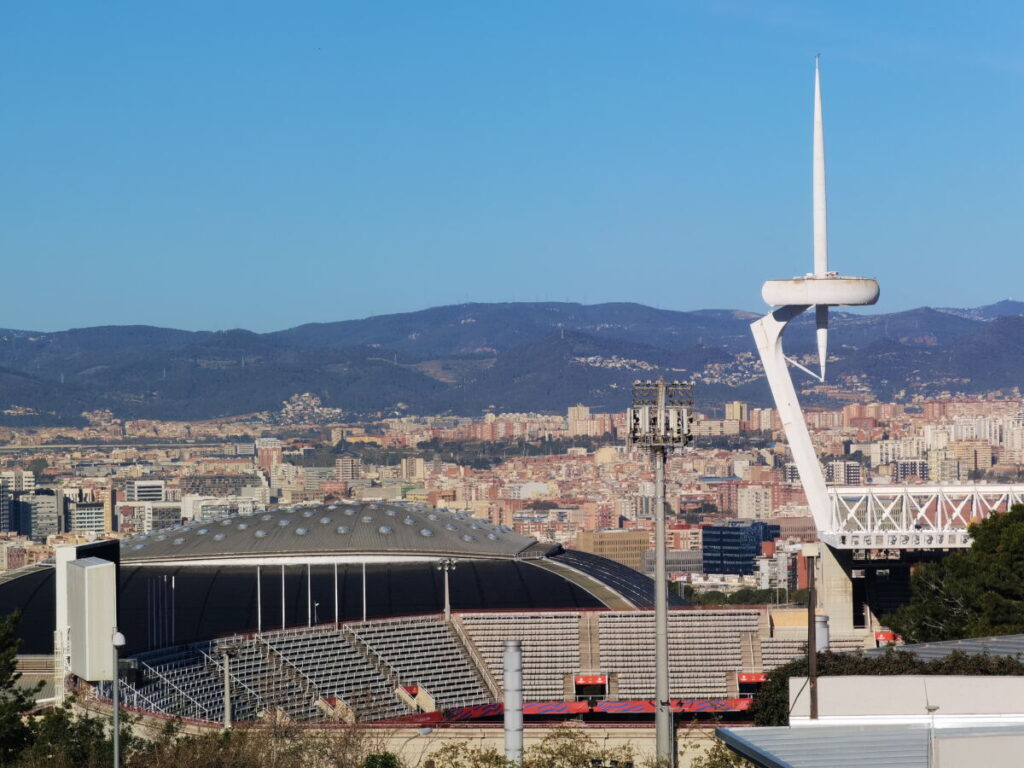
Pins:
x: 388, y: 612
x: 380, y: 611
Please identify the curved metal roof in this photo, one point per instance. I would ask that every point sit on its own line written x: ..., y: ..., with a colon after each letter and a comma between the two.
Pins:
x: 382, y: 530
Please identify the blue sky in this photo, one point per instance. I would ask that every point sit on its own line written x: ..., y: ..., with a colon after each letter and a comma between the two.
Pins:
x: 251, y: 164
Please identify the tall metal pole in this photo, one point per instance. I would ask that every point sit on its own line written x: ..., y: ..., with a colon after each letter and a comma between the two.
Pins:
x: 116, y: 701
x: 812, y: 639
x: 309, y: 594
x: 259, y: 602
x: 664, y: 735
x: 364, y: 590
x: 116, y: 641
x: 227, y: 689
x: 282, y: 597
x: 660, y: 419
x: 447, y: 597
x: 335, y: 595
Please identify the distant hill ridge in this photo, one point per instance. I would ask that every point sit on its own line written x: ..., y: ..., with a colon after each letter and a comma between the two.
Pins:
x: 508, y: 356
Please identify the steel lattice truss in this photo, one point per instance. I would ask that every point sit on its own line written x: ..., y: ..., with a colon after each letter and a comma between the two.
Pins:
x: 913, y: 517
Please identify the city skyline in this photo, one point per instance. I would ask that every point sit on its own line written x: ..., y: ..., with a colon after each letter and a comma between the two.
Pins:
x: 378, y: 159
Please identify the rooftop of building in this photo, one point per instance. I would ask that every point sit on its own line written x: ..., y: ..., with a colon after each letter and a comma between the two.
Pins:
x: 340, y: 530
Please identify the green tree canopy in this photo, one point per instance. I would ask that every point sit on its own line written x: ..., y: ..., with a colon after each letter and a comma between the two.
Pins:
x: 15, y: 701
x: 974, y: 593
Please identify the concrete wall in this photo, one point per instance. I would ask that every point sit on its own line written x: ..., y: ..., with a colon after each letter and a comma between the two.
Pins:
x: 905, y: 698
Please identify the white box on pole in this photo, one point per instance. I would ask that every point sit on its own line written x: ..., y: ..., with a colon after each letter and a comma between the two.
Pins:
x: 92, y: 616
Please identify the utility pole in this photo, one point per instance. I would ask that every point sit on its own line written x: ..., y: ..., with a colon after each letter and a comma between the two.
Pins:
x: 810, y: 552
x: 117, y: 642
x: 447, y: 565
x: 228, y: 650
x: 660, y: 420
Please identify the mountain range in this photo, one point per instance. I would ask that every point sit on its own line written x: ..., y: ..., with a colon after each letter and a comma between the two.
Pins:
x: 466, y: 358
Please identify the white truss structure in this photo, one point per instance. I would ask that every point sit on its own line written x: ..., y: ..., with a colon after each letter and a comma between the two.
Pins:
x: 912, y: 516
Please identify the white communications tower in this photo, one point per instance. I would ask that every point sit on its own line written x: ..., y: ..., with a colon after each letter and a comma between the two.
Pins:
x: 821, y: 289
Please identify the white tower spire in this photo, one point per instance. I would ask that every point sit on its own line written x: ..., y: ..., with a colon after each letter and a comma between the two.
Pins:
x: 820, y: 212
x: 820, y: 219
x: 791, y: 298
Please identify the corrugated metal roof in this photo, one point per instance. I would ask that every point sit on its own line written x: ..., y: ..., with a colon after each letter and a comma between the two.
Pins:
x: 826, y: 746
x: 849, y: 746
x: 1002, y: 645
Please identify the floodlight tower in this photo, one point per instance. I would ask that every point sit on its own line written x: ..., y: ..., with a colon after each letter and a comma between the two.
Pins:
x: 821, y: 289
x: 659, y: 420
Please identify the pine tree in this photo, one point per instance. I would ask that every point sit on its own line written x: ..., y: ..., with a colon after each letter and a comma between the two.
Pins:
x: 15, y: 701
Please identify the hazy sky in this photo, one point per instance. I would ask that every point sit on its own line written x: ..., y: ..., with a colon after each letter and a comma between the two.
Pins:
x: 251, y: 164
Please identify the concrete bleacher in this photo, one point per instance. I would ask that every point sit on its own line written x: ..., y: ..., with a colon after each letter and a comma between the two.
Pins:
x: 551, y: 647
x: 704, y: 648
x: 358, y: 666
x: 334, y: 668
x: 289, y: 671
x: 177, y: 681
x: 277, y: 686
x: 424, y: 651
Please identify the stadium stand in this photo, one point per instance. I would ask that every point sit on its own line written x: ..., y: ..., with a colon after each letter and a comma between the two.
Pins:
x: 704, y: 648
x: 423, y: 651
x: 551, y: 647
x: 335, y: 668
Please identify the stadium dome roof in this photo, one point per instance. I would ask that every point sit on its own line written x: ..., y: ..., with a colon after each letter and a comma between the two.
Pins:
x: 337, y: 532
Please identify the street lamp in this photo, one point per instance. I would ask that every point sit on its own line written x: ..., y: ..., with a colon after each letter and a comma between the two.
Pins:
x: 117, y: 641
x: 659, y: 420
x: 446, y: 564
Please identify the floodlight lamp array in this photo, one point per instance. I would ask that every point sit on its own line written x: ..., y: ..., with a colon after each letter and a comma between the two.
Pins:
x: 661, y: 414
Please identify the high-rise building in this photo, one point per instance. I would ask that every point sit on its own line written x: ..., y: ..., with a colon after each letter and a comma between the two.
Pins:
x: 348, y: 467
x: 414, y: 468
x: 146, y: 490
x: 85, y: 516
x: 15, y: 480
x: 622, y: 546
x: 973, y: 455
x: 579, y: 421
x: 843, y: 473
x: 40, y: 513
x: 268, y: 458
x: 909, y: 468
x: 12, y: 483
x: 737, y: 411
x: 735, y: 547
x: 753, y: 501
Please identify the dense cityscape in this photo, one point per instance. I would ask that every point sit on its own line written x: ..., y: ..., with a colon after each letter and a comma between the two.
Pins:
x: 567, y: 479
x: 461, y: 385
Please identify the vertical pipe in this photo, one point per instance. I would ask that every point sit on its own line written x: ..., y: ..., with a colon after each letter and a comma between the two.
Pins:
x: 812, y: 641
x: 364, y: 590
x: 174, y: 605
x: 335, y: 595
x: 447, y: 596
x: 259, y: 602
x: 309, y: 594
x: 664, y: 735
x: 513, y: 674
x: 282, y: 596
x: 227, y: 690
x: 115, y: 696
